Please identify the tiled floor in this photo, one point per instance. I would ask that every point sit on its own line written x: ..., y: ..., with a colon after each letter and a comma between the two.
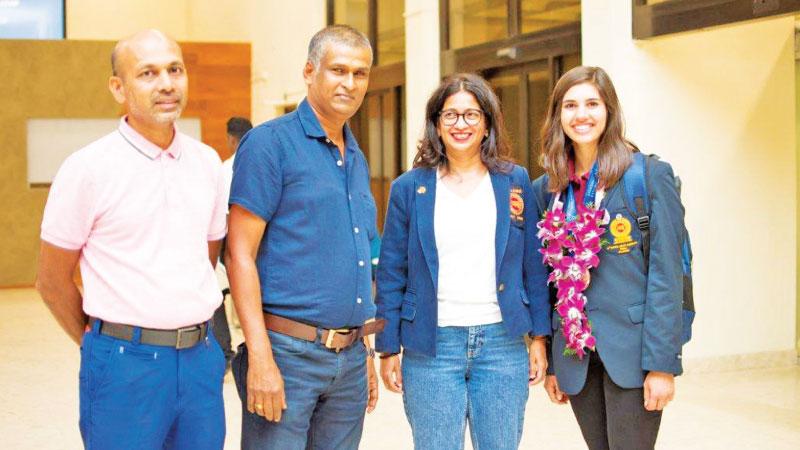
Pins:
x: 731, y: 410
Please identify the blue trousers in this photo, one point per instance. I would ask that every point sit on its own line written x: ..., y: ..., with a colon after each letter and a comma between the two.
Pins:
x: 136, y: 396
x: 479, y: 376
x: 326, y: 395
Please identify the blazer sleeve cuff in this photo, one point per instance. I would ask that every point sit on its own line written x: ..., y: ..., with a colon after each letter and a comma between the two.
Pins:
x: 387, y: 343
x: 671, y: 365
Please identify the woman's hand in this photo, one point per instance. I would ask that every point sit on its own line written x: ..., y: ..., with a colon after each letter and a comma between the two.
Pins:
x: 391, y: 374
x: 659, y: 389
x: 553, y: 391
x: 538, y: 358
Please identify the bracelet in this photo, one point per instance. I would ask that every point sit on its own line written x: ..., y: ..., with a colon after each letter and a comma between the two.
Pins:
x: 387, y: 355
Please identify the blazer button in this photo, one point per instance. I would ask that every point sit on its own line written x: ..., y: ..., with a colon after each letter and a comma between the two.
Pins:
x: 501, y: 288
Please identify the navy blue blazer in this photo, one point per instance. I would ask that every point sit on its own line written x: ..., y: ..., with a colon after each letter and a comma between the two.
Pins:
x: 635, y: 310
x: 408, y: 268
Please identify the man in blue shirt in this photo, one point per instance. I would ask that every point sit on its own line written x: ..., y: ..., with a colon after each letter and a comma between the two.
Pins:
x: 301, y: 220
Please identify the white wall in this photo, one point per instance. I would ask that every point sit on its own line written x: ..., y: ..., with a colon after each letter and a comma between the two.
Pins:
x: 719, y: 105
x: 423, y: 69
x: 278, y: 30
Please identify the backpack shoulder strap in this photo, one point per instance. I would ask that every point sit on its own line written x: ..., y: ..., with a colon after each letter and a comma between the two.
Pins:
x: 636, y: 183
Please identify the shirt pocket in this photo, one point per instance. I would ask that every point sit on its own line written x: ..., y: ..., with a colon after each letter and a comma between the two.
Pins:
x: 368, y: 213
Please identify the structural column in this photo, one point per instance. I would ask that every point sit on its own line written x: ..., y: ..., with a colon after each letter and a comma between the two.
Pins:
x: 422, y: 66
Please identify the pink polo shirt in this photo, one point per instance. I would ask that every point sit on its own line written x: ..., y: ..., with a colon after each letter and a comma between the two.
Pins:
x: 141, y: 217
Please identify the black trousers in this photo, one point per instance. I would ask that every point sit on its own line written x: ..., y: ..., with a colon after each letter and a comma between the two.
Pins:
x: 611, y: 417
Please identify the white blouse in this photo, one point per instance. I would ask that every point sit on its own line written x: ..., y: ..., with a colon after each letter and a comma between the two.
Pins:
x: 464, y: 229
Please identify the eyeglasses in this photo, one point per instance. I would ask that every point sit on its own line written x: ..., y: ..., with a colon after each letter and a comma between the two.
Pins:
x: 472, y: 117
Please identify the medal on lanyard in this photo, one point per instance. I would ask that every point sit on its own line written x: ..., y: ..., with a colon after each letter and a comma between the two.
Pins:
x: 571, y: 210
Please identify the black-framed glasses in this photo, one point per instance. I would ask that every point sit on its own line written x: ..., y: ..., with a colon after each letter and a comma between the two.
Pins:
x: 472, y: 117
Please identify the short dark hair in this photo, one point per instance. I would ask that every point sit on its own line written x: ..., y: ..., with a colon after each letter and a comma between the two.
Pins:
x: 335, y: 34
x: 495, y: 148
x: 238, y: 126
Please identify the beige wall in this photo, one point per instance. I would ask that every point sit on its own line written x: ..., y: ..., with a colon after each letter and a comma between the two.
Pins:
x: 114, y: 19
x: 33, y: 89
x: 278, y: 30
x: 719, y: 105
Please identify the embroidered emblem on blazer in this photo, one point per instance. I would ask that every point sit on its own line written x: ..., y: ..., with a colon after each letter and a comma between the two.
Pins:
x: 620, y: 228
x: 516, y: 204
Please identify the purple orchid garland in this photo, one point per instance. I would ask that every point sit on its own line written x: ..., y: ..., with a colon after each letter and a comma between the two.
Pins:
x: 571, y: 250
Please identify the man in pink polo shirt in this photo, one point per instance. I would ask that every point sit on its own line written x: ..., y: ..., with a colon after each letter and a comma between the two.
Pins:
x: 143, y: 211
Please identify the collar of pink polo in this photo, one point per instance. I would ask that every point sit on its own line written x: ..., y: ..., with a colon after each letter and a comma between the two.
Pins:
x: 144, y: 146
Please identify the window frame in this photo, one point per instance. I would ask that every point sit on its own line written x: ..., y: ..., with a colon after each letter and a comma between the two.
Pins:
x: 677, y: 16
x: 516, y: 48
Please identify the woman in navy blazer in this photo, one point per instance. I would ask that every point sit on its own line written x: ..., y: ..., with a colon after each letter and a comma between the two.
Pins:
x: 618, y: 390
x: 462, y: 329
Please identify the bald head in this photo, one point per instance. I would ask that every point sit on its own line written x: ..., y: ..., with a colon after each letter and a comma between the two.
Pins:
x: 135, y: 43
x: 149, y: 80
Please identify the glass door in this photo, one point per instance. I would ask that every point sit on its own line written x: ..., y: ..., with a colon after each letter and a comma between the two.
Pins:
x: 523, y: 90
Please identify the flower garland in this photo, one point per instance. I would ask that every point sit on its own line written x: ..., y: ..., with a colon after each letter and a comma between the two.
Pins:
x: 570, y: 248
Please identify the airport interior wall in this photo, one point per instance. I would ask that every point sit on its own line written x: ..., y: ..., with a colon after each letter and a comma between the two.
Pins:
x: 719, y: 105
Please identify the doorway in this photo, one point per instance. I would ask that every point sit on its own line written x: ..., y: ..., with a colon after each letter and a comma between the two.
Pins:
x: 523, y: 90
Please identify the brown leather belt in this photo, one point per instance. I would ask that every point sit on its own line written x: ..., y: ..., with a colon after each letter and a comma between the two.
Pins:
x: 334, y: 339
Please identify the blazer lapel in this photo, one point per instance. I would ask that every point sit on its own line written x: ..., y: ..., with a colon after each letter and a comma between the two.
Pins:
x: 425, y: 193
x: 500, y: 184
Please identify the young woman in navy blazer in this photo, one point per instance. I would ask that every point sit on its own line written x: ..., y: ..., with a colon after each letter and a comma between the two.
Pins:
x: 618, y: 390
x: 459, y: 281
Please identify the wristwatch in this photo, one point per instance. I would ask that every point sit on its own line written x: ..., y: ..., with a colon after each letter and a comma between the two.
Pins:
x: 387, y: 355
x: 371, y: 352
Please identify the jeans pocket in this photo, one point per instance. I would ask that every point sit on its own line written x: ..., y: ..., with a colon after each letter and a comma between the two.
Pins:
x: 216, y: 355
x: 100, y: 354
x: 282, y: 343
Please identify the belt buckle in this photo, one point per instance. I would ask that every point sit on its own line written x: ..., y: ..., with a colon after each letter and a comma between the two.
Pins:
x: 179, y: 344
x: 331, y: 334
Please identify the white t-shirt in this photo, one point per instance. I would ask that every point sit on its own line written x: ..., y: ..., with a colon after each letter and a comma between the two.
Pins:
x: 465, y: 241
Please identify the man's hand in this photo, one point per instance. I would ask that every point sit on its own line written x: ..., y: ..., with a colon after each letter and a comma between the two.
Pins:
x: 553, y: 391
x: 538, y: 360
x: 265, y: 395
x: 372, y: 385
x: 659, y: 389
x: 391, y: 374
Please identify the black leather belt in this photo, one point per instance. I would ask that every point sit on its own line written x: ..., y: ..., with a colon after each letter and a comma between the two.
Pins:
x: 181, y: 338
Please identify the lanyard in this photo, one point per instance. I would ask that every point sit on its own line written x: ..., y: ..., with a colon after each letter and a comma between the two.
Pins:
x: 588, y: 196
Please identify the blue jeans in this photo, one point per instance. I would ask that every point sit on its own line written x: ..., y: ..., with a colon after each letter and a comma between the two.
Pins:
x: 137, y: 396
x: 326, y: 395
x: 480, y: 376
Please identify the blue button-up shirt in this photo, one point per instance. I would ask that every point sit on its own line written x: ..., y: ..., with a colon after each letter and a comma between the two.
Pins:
x: 314, y: 258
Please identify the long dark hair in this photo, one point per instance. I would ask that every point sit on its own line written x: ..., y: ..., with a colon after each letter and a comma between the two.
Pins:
x: 495, y: 149
x: 614, y: 151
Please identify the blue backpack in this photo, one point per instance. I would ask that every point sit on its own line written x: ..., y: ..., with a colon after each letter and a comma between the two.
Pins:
x: 637, y: 199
